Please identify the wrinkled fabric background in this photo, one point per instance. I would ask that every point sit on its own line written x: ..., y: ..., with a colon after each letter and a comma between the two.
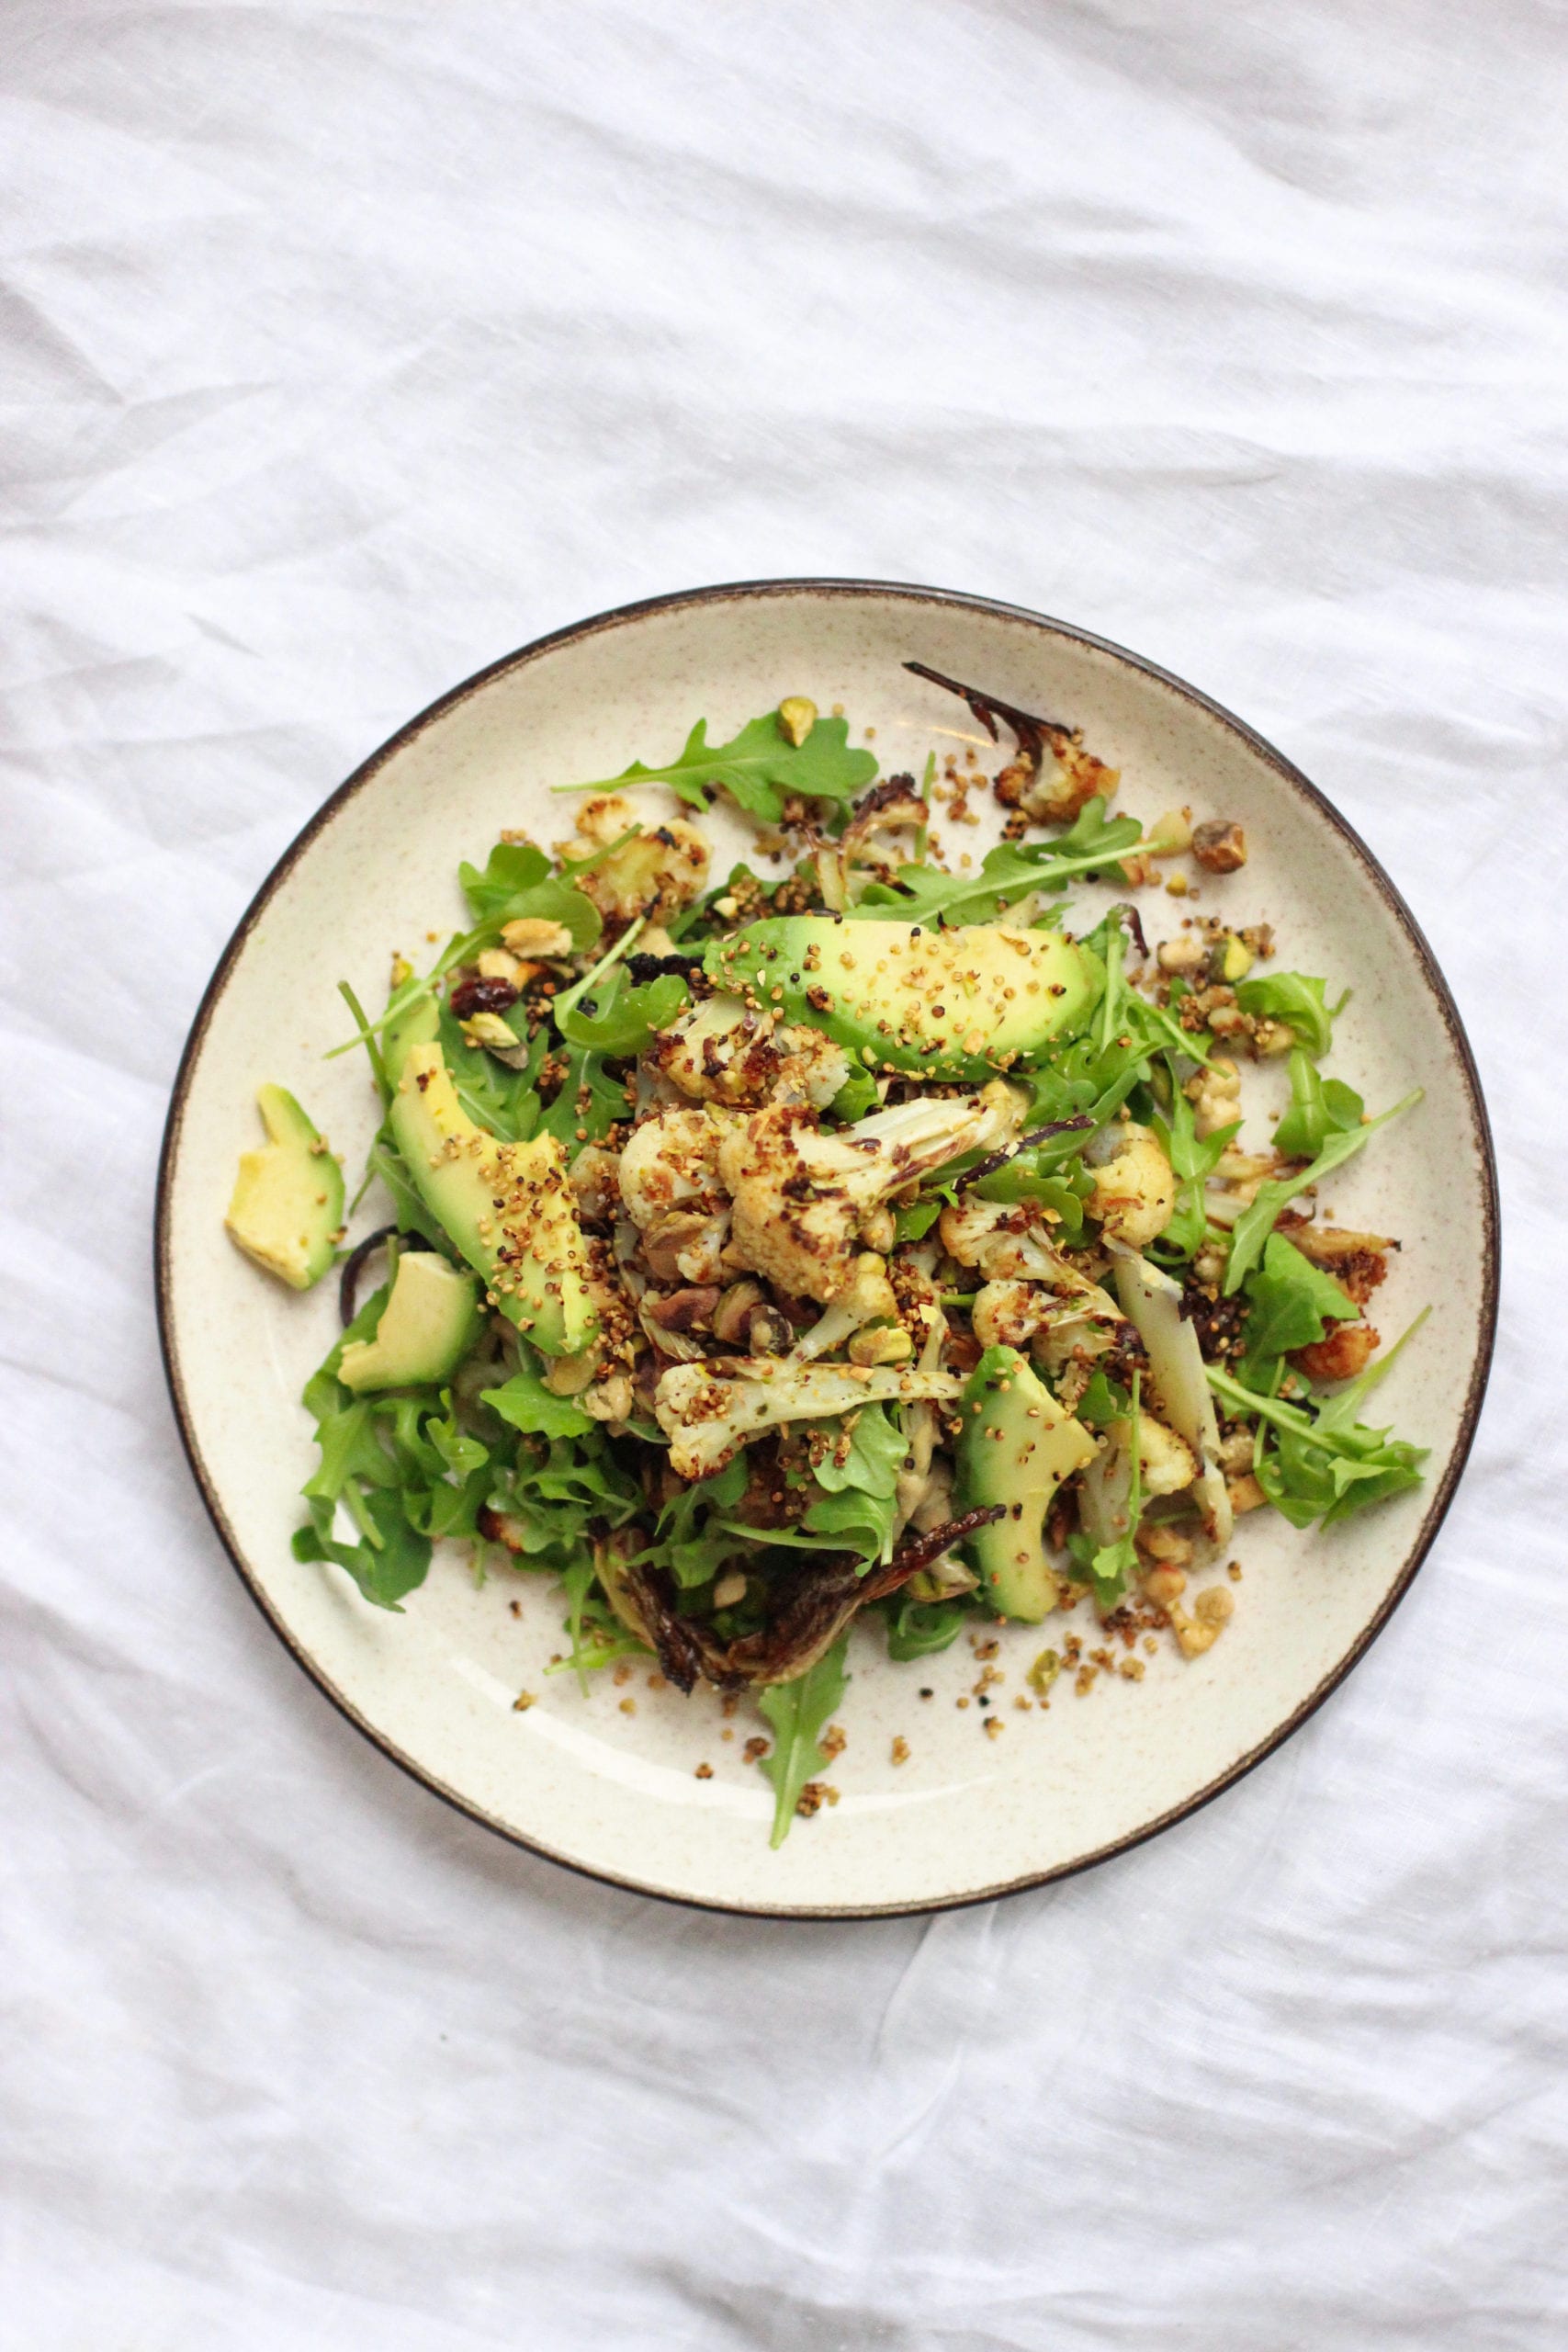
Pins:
x: 347, y: 346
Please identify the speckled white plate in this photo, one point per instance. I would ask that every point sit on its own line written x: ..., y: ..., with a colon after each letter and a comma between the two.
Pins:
x: 613, y: 1791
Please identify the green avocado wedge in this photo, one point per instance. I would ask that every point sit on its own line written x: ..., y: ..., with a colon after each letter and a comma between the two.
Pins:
x: 285, y: 1211
x: 960, y: 1003
x: 429, y: 1323
x: 1017, y: 1447
x: 507, y: 1206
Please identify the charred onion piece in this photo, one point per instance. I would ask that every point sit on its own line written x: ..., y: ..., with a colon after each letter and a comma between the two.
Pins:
x: 1134, y: 920
x: 816, y: 1601
x: 354, y: 1266
x: 1032, y: 732
x: 995, y: 1159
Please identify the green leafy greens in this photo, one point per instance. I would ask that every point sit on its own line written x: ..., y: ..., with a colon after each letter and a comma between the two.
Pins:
x: 1254, y: 1224
x: 1302, y: 1003
x: 1325, y: 1464
x: 759, y: 769
x: 1320, y: 1107
x: 797, y: 1713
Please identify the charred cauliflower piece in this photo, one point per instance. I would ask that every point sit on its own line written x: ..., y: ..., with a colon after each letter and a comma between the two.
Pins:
x: 719, y: 1052
x: 708, y: 1412
x: 800, y: 1194
x: 671, y: 1158
x: 1134, y: 1190
x: 660, y: 868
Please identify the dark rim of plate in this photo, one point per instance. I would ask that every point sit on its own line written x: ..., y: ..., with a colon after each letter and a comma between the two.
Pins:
x: 740, y: 591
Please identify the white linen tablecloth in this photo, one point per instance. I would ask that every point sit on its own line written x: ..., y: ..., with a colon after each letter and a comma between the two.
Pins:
x: 346, y: 346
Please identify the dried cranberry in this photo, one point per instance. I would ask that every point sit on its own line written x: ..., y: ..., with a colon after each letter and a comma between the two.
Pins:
x: 479, y: 995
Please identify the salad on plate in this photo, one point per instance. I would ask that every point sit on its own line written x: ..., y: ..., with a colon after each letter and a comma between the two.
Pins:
x: 874, y: 1241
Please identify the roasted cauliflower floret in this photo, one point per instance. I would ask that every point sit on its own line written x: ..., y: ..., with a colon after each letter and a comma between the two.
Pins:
x: 719, y: 1052
x: 1007, y: 1243
x: 1215, y: 1096
x: 1053, y: 788
x: 800, y: 1192
x: 671, y: 1158
x: 660, y: 868
x: 1168, y: 1462
x: 1134, y: 1191
x: 708, y: 1413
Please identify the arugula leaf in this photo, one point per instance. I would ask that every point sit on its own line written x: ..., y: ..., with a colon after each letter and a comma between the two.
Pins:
x: 913, y: 1223
x: 1290, y: 1299
x: 922, y: 1628
x: 529, y: 1406
x: 1193, y: 1159
x: 1012, y: 871
x: 1253, y: 1227
x: 1113, y: 1565
x: 392, y: 1560
x: 1022, y: 1180
x: 851, y: 1520
x: 1320, y: 1107
x: 797, y: 1713
x: 587, y: 1106
x: 1293, y: 998
x: 1102, y: 1402
x: 855, y: 1098
x: 494, y: 1096
x: 1327, y: 1465
x: 875, y: 1456
x: 517, y: 881
x: 511, y: 867
x: 759, y: 768
x: 624, y: 1019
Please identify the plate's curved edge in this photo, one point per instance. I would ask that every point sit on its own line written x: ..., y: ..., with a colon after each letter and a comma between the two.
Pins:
x: 618, y: 616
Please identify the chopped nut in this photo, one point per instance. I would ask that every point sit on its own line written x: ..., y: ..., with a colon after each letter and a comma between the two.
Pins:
x: 1220, y: 846
x: 1181, y: 955
x: 1169, y: 834
x: 1246, y: 1494
x: 490, y: 1029
x: 755, y: 1749
x: 568, y: 1375
x: 729, y: 1316
x: 536, y: 936
x: 729, y: 1589
x: 495, y: 964
x: 703, y: 1772
x: 797, y: 716
x: 523, y: 1701
x: 900, y: 1752
x: 888, y: 1344
x: 1044, y: 1671
x: 1234, y: 960
x: 994, y: 1726
x: 1193, y: 1637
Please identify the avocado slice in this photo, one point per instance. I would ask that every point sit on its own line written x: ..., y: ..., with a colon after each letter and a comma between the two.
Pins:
x: 506, y: 1205
x: 1017, y: 1447
x: 287, y: 1207
x: 429, y: 1323
x: 416, y: 1025
x: 957, y: 1003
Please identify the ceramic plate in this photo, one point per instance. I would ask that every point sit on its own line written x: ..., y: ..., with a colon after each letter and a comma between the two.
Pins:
x: 616, y: 1793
